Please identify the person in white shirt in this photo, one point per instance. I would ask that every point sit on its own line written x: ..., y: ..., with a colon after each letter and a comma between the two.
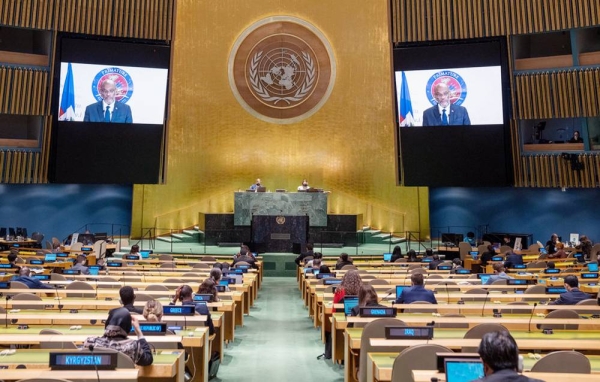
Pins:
x: 304, y: 186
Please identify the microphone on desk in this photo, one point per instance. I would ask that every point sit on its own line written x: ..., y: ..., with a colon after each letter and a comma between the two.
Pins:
x: 447, y: 293
x: 91, y: 348
x: 388, y: 295
x: 123, y: 277
x: 487, y: 294
x: 144, y: 274
x: 6, y: 312
x: 60, y: 306
x: 531, y: 317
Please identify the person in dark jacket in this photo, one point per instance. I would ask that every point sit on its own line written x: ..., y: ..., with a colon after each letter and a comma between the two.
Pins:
x: 247, y: 257
x: 487, y: 256
x: 500, y: 356
x: 367, y: 297
x: 308, y: 252
x: 184, y: 293
x: 31, y: 282
x: 127, y: 296
x: 573, y: 295
x: 512, y: 259
x: 435, y: 261
x: 343, y: 261
x: 396, y: 254
x: 416, y: 292
x: 116, y: 331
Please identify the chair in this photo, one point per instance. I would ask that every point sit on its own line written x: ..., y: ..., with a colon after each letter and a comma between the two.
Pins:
x: 26, y: 297
x: 534, y: 289
x: 594, y: 252
x: 328, y: 289
x: 401, y: 260
x: 55, y: 345
x: 80, y: 285
x: 43, y: 380
x: 379, y: 282
x: 374, y: 329
x: 173, y: 281
x: 98, y: 247
x: 452, y: 325
x: 349, y: 267
x: 55, y: 243
x: 476, y: 294
x: 463, y: 250
x: 201, y: 265
x: 521, y: 307
x: 447, y: 286
x: 191, y: 274
x: 156, y: 288
x: 504, y: 249
x: 563, y: 361
x: 497, y: 282
x: 165, y: 257
x: 478, y: 331
x: 589, y: 301
x: 76, y: 246
x: 482, y: 249
x: 418, y: 357
x: 566, y: 314
x: 38, y: 237
x: 57, y: 277
x: 414, y: 266
x: 208, y: 258
x: 18, y: 285
x: 418, y: 270
x: 130, y: 279
x: 143, y: 297
x: 49, y: 245
x: 241, y: 264
x: 109, y: 279
x: 168, y: 265
x: 434, y: 277
x: 420, y: 310
x: 366, y: 278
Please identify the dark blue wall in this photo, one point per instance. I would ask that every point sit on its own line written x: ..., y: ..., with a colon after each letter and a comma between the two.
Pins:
x: 520, y: 210
x: 58, y: 210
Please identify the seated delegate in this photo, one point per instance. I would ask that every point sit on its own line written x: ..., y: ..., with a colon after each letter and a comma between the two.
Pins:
x: 573, y: 294
x: 116, y: 336
x: 416, y: 292
x: 184, y: 294
x: 499, y: 274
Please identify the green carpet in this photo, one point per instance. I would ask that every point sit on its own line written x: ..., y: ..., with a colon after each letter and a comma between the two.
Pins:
x: 278, y: 341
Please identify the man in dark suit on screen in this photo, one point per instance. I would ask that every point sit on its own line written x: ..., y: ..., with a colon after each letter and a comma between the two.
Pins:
x: 108, y: 110
x: 444, y: 113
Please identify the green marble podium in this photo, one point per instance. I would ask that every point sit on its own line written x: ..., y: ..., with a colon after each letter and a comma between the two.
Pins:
x: 311, y: 204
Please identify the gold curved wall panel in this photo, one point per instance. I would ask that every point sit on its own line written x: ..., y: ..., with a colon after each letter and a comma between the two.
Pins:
x: 215, y: 147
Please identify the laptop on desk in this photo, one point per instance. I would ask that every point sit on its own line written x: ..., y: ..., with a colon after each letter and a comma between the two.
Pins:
x: 463, y: 369
x: 349, y: 303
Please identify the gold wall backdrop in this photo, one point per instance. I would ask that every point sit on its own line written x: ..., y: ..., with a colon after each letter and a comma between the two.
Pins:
x: 216, y: 148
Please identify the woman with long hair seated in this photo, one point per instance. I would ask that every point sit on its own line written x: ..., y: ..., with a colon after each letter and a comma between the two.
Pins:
x: 209, y: 286
x: 350, y: 286
x: 367, y: 297
x: 116, y: 332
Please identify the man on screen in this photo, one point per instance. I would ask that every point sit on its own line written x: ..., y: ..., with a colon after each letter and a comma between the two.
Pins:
x: 108, y: 110
x: 444, y: 113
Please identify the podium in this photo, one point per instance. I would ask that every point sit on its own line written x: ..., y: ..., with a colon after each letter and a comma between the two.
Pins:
x: 278, y: 233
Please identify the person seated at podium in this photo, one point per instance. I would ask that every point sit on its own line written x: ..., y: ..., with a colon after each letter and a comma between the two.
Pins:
x: 560, y: 252
x: 127, y: 296
x: 31, y: 282
x: 550, y: 265
x: 308, y: 252
x: 411, y: 256
x: 12, y: 260
x: 80, y: 265
x: 209, y: 286
x: 499, y: 274
x: 343, y: 261
x: 116, y: 336
x: 304, y: 186
x: 573, y: 294
x: 500, y: 356
x: 487, y: 256
x: 184, y: 293
x: 511, y: 259
x: 416, y: 292
x: 576, y: 138
x: 470, y: 238
x: 396, y: 254
x: 507, y: 240
x: 135, y: 251
x: 245, y: 256
x: 255, y: 186
x: 367, y: 297
x: 435, y: 261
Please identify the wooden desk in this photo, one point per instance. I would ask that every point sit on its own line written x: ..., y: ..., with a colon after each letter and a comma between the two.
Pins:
x: 120, y: 375
x: 167, y: 367
x: 380, y: 365
x: 426, y: 375
x: 553, y: 147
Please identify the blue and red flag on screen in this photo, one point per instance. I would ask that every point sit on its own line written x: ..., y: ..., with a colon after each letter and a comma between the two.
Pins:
x: 67, y: 101
x: 406, y: 111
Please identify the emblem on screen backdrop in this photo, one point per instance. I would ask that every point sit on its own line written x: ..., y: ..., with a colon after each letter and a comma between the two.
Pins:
x: 122, y: 80
x: 456, y: 84
x: 281, y: 69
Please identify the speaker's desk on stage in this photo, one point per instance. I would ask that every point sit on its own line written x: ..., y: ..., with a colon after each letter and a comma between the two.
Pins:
x: 167, y: 366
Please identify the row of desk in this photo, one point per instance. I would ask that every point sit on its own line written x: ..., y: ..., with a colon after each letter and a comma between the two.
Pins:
x: 346, y: 340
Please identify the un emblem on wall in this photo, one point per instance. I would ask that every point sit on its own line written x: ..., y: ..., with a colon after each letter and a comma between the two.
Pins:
x: 281, y: 69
